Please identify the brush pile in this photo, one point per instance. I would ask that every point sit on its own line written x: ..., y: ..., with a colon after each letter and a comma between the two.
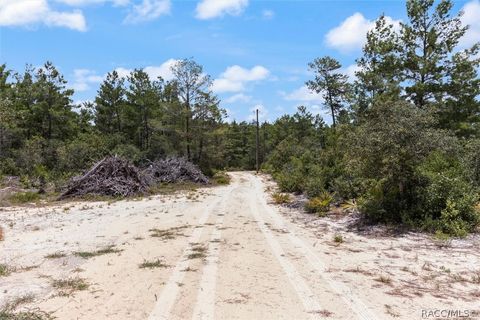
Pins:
x: 112, y: 176
x: 172, y: 170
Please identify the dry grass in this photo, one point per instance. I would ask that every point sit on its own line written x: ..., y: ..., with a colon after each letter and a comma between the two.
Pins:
x: 2, y: 234
x: 281, y: 198
x: 56, y: 255
x: 68, y: 286
x: 167, y: 234
x: 384, y: 279
x: 5, y: 270
x: 198, y: 252
x: 153, y: 264
x: 91, y: 254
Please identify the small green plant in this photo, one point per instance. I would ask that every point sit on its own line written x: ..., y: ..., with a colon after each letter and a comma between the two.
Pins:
x: 9, y: 314
x: 24, y: 197
x: 281, y: 198
x: 56, y: 255
x: 320, y: 204
x: 68, y: 286
x: 152, y: 264
x: 221, y: 177
x: 167, y: 234
x: 91, y: 254
x: 338, y: 238
x: 5, y: 270
x: 198, y: 252
x: 384, y: 279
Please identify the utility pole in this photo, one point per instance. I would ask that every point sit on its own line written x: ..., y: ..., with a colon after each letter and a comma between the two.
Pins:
x: 257, y: 140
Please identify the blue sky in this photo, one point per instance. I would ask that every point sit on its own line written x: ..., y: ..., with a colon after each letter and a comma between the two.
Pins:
x: 256, y: 51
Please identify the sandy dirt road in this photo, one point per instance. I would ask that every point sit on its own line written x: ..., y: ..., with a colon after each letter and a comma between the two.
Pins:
x: 223, y: 253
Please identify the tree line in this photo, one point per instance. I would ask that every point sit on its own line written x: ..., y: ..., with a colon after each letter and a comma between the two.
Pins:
x: 404, y: 140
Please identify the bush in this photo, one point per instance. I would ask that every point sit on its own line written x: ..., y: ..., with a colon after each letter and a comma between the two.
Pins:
x: 315, y: 185
x: 320, y: 204
x: 24, y: 197
x: 447, y: 199
x: 221, y: 177
x: 281, y: 198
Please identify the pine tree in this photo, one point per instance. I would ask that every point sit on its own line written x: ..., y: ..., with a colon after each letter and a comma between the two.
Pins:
x: 332, y: 84
x: 110, y: 104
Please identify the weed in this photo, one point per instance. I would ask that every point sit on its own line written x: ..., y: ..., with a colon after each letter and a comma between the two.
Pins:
x: 167, y: 234
x: 91, y: 254
x: 152, y: 264
x: 198, y: 252
x: 338, y: 238
x: 5, y: 270
x: 221, y: 177
x: 281, y: 198
x: 12, y: 305
x: 68, y: 286
x: 390, y: 311
x: 384, y: 279
x: 56, y: 255
x: 319, y: 205
x: 24, y: 197
x: 34, y: 314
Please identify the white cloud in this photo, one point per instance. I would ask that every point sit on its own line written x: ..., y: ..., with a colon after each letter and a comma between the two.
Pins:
x: 148, y: 10
x: 262, y: 113
x: 79, y: 3
x: 164, y: 70
x: 350, y: 71
x: 30, y: 12
x: 239, y: 97
x: 208, y: 9
x: 471, y: 17
x: 351, y: 34
x: 235, y: 77
x: 83, y: 78
x: 123, y: 72
x: 303, y: 94
x: 268, y: 14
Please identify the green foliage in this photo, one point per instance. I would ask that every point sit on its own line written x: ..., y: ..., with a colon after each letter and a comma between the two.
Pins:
x: 320, y: 204
x: 221, y: 177
x: 281, y: 198
x: 24, y: 197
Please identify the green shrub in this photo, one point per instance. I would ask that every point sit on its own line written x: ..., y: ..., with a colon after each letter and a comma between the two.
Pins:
x: 320, y: 204
x: 24, y: 197
x: 314, y: 186
x: 338, y: 238
x: 221, y: 177
x: 281, y: 198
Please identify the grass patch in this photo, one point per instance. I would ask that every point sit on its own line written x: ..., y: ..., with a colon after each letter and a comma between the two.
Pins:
x: 56, y: 255
x: 167, y: 234
x: 24, y: 197
x: 221, y: 177
x: 35, y: 314
x: 5, y: 270
x: 152, y: 264
x: 319, y: 205
x: 281, y: 198
x: 338, y: 238
x: 384, y: 279
x: 198, y: 252
x: 169, y: 188
x: 69, y: 286
x: 100, y: 252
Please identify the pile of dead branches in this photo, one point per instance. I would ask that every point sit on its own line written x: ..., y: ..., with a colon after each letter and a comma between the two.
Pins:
x: 112, y: 176
x: 173, y: 170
